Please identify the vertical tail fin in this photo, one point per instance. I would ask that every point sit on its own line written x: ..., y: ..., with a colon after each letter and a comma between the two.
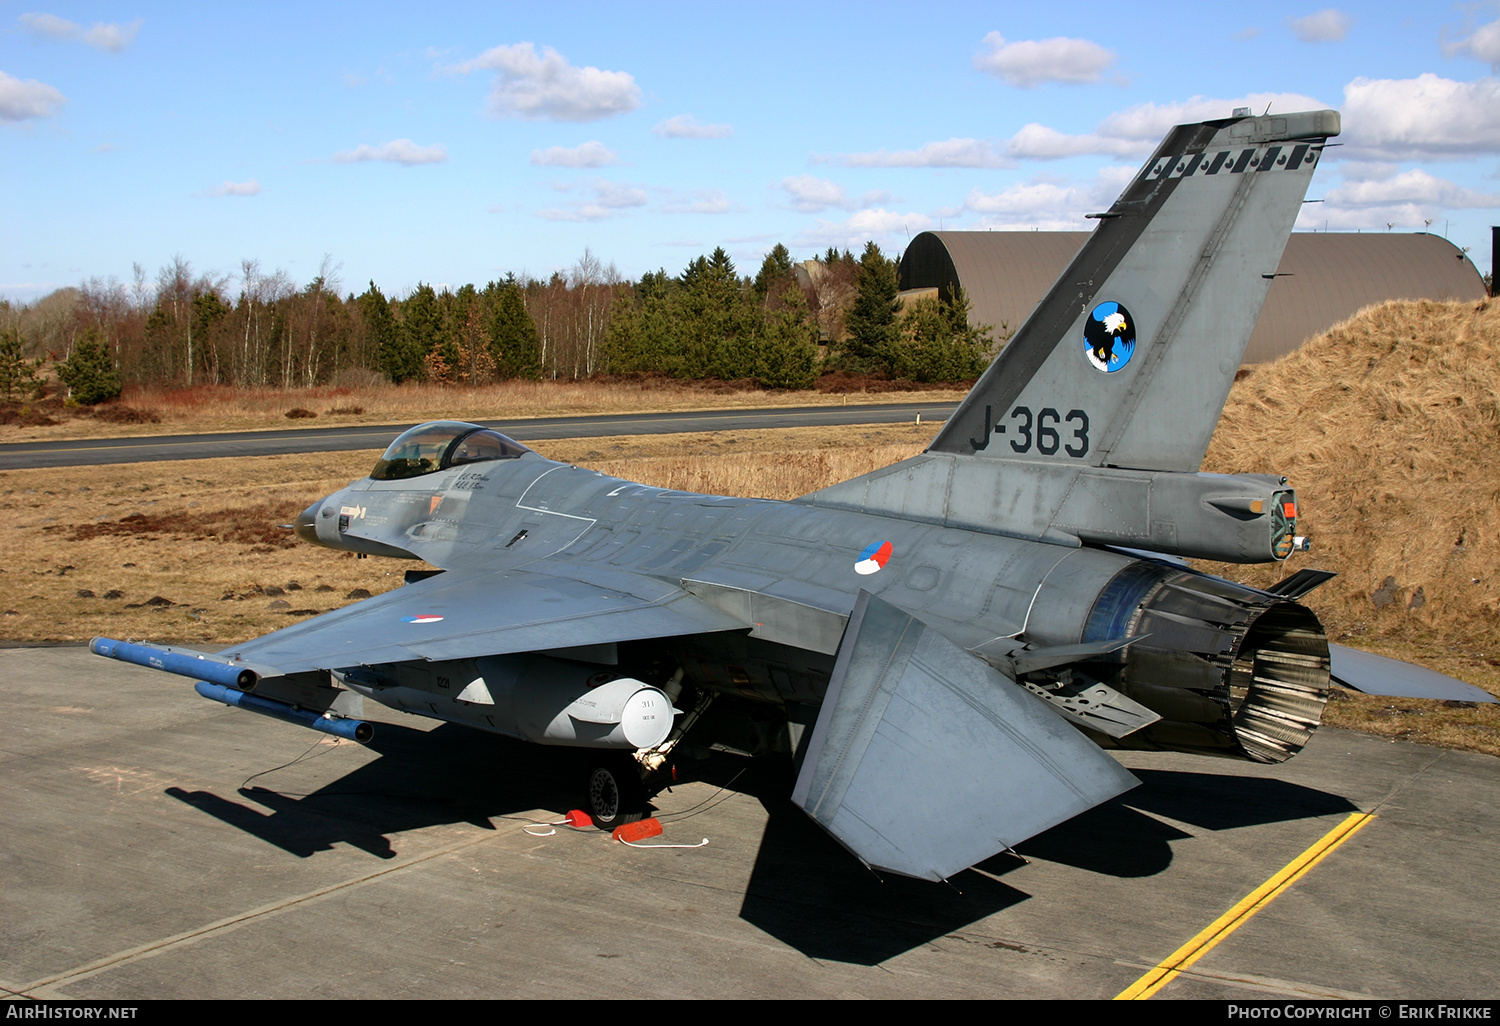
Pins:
x: 1129, y: 358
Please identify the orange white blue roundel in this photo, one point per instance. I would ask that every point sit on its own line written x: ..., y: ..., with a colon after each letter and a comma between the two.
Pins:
x: 422, y: 618
x: 874, y: 556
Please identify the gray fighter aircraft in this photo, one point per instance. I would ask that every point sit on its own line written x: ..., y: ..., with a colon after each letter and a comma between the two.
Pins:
x: 943, y: 645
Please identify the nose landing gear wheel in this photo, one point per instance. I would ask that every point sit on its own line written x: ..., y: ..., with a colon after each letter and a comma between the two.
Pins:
x: 613, y: 792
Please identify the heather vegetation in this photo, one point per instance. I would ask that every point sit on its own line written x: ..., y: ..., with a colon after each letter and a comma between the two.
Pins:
x: 778, y: 330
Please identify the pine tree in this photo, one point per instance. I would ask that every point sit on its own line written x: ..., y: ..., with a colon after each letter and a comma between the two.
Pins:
x: 786, y: 351
x: 721, y: 265
x: 89, y: 372
x: 643, y: 334
x: 935, y: 342
x: 775, y: 272
x: 872, y: 322
x: 514, y: 342
x: 421, y: 327
x: 386, y: 339
x: 209, y: 312
x: 19, y: 377
x: 712, y: 318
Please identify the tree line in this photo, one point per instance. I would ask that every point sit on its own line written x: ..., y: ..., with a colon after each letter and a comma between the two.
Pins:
x: 780, y: 328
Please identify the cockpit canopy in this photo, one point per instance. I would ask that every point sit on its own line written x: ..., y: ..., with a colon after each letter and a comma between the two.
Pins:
x: 428, y: 448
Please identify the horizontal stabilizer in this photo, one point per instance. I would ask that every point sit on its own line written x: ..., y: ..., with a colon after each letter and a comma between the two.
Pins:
x: 925, y: 760
x: 1377, y: 675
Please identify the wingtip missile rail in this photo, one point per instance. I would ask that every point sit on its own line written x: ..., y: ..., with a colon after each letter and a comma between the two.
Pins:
x: 186, y: 664
x: 232, y: 683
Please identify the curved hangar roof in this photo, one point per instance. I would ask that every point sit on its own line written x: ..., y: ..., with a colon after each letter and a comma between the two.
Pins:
x: 1323, y: 278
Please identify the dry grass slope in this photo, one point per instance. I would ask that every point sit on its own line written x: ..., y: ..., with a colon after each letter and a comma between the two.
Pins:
x: 1388, y: 425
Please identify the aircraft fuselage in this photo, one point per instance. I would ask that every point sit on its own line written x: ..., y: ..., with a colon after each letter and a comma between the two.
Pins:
x: 797, y: 570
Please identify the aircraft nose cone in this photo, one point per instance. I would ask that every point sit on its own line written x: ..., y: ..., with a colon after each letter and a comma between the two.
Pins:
x: 304, y: 525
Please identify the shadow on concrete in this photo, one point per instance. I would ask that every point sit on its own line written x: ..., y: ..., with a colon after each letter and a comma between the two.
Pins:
x: 808, y: 892
x: 811, y: 894
x: 447, y: 775
x: 805, y: 889
x: 1218, y: 801
x: 1123, y: 838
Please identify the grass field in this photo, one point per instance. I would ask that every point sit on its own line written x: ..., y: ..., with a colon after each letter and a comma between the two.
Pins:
x: 195, y: 554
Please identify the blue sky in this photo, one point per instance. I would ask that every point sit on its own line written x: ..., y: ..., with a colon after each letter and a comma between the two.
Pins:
x: 452, y: 143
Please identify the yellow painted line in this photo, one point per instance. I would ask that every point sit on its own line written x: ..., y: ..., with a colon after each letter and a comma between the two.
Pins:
x: 1172, y: 966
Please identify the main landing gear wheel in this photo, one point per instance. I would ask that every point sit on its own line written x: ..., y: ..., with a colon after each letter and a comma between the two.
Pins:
x: 613, y: 792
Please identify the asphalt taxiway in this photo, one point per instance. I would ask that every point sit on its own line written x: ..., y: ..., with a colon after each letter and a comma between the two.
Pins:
x: 80, y: 452
x: 157, y: 845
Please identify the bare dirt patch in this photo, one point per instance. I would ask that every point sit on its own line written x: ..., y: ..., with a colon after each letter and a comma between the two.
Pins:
x: 256, y: 525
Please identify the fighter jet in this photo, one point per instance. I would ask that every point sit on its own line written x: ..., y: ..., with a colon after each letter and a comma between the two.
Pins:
x: 944, y: 646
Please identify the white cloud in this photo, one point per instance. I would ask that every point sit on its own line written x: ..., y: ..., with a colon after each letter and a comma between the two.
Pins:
x: 864, y: 225
x: 1048, y: 204
x: 811, y: 194
x: 545, y: 87
x: 1322, y: 217
x: 1326, y: 26
x: 874, y: 222
x: 698, y: 201
x: 1414, y: 186
x: 951, y: 153
x: 110, y: 36
x: 685, y: 126
x: 1482, y: 45
x: 113, y: 38
x: 250, y: 188
x: 27, y: 98
x: 1374, y: 196
x: 1038, y: 142
x: 1427, y: 116
x: 590, y: 154
x: 1149, y: 122
x: 1026, y: 198
x: 1130, y: 133
x: 397, y: 151
x: 51, y: 26
x: 1028, y: 63
x: 609, y: 200
x: 618, y: 195
x: 356, y: 81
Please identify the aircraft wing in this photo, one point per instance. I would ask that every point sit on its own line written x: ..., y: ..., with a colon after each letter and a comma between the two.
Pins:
x: 463, y: 614
x: 925, y: 760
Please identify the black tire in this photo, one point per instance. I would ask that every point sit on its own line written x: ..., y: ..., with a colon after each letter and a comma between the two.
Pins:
x: 613, y: 793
